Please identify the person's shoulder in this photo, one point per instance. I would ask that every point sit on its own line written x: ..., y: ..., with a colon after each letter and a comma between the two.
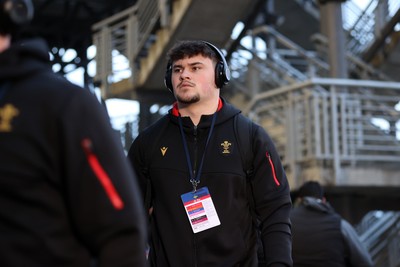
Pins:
x: 46, y: 79
x: 60, y: 94
x: 157, y: 126
x: 57, y: 84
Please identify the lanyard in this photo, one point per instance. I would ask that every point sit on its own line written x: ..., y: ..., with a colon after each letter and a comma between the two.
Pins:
x: 195, y: 180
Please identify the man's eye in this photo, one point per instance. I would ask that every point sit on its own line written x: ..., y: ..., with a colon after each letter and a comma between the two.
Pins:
x: 176, y: 70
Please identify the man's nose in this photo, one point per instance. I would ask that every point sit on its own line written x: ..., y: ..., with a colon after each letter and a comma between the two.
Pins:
x: 184, y: 74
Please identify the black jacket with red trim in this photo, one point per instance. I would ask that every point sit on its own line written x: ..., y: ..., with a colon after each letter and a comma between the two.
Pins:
x: 165, y: 170
x: 68, y: 196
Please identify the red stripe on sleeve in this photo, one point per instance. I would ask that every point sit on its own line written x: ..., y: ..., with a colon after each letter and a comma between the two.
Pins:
x: 101, y: 175
x: 272, y: 168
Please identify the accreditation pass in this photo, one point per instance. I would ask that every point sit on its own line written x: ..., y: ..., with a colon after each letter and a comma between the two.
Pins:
x: 200, y: 210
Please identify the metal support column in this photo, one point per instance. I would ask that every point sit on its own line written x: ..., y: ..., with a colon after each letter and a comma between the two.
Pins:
x: 335, y: 137
x: 332, y: 28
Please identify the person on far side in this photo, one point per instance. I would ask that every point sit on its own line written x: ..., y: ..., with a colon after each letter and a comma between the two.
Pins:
x: 321, y: 237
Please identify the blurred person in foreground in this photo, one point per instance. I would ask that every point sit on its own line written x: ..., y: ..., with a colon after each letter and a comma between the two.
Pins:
x: 190, y: 169
x: 321, y: 237
x: 68, y: 196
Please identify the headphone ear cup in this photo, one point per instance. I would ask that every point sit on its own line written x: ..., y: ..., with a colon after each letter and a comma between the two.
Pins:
x: 220, y: 78
x: 18, y: 11
x: 222, y: 72
x: 168, y: 78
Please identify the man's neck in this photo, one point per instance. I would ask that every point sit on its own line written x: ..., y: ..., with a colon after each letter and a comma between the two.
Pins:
x: 196, y: 110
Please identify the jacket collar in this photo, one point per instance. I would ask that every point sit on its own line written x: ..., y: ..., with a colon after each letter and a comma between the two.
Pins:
x: 175, y: 109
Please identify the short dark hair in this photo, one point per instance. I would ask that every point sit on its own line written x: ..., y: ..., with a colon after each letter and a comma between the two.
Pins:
x: 191, y: 48
x: 311, y: 189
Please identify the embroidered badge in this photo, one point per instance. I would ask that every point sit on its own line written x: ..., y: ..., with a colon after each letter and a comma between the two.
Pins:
x: 7, y: 113
x: 226, y: 147
x: 163, y: 150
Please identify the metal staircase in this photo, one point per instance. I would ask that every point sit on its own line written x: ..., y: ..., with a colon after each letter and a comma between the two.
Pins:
x: 380, y: 233
x: 331, y: 125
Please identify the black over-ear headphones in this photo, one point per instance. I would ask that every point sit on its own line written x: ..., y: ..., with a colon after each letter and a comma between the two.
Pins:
x: 222, y: 72
x: 14, y: 13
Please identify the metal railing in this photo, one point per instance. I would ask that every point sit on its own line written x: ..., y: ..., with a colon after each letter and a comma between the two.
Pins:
x: 337, y: 125
x: 363, y: 26
x: 359, y: 25
x: 379, y: 231
x: 129, y: 34
x: 273, y: 67
x: 263, y: 70
x: 357, y: 66
x: 314, y: 65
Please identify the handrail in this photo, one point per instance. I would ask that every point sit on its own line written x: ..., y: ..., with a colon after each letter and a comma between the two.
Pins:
x: 334, y: 125
x: 365, y: 70
x: 364, y: 32
x: 128, y: 33
x: 281, y: 69
x: 360, y: 32
x: 325, y: 82
x: 290, y: 45
x: 380, y: 236
x: 365, y: 29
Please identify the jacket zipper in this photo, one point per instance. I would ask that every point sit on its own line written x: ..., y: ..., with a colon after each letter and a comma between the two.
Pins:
x: 272, y: 168
x: 195, y: 151
x: 101, y: 175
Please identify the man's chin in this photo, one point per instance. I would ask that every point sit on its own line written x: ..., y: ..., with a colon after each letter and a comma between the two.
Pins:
x: 188, y: 100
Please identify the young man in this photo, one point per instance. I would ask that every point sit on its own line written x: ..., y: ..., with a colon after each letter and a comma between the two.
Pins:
x: 68, y: 196
x: 191, y: 173
x: 320, y: 236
